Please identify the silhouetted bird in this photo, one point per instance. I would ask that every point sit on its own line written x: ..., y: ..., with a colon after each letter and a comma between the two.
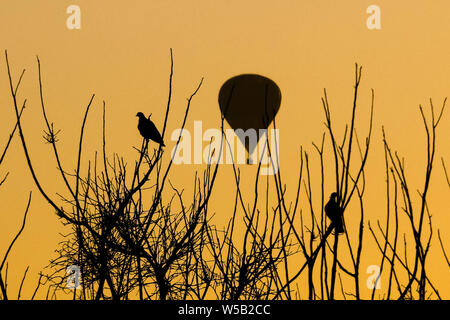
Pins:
x: 148, y: 129
x: 335, y: 213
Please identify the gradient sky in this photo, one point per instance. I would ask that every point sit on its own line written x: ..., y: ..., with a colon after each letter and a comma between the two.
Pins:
x: 121, y: 53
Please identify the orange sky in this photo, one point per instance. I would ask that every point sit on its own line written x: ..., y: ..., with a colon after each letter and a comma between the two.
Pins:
x: 121, y: 53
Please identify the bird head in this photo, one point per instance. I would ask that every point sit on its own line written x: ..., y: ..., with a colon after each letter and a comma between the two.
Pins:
x: 140, y: 115
x: 334, y: 195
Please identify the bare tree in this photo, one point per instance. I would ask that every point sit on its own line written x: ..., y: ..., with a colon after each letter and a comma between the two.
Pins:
x: 348, y: 185
x: 417, y: 214
x: 3, y: 280
x: 135, y: 235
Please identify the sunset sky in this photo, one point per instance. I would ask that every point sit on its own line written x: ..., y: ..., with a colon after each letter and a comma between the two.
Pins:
x: 122, y: 54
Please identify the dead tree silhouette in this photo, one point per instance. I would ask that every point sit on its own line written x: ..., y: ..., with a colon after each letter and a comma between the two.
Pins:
x: 416, y: 216
x: 249, y: 269
x: 136, y: 235
x: 111, y: 238
x: 348, y: 185
x: 4, y: 263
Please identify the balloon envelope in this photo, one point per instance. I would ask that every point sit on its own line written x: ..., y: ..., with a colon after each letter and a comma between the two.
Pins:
x: 249, y: 101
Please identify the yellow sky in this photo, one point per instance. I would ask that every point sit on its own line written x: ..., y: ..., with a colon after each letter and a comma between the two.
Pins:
x: 121, y: 53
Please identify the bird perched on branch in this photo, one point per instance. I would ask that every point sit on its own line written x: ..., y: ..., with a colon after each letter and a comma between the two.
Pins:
x: 335, y: 213
x: 148, y: 129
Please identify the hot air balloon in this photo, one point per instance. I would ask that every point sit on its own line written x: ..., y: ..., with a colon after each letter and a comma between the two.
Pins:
x: 249, y: 101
